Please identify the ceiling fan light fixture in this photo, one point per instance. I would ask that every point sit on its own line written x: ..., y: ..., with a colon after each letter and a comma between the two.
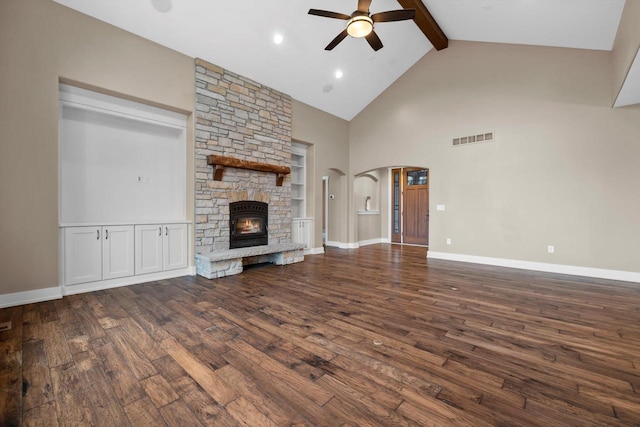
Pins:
x: 360, y: 26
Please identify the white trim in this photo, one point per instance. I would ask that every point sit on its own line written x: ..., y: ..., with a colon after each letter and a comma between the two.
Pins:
x: 374, y: 212
x: 343, y: 245
x: 28, y: 297
x: 314, y: 251
x: 83, y: 99
x: 126, y: 281
x: 599, y: 273
x: 372, y: 241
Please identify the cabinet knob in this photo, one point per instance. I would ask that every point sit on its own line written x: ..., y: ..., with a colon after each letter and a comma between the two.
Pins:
x: 98, y: 235
x: 159, y: 231
x: 166, y: 231
x: 106, y: 234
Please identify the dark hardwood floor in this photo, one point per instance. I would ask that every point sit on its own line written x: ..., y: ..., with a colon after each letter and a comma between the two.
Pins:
x: 374, y: 336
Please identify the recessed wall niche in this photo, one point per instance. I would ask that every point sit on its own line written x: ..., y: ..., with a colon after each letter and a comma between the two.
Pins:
x: 120, y: 161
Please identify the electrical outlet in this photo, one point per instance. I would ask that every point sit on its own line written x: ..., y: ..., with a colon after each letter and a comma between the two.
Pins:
x: 448, y: 241
x: 551, y: 249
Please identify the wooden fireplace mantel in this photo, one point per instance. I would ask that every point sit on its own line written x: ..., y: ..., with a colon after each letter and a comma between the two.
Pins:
x: 220, y: 162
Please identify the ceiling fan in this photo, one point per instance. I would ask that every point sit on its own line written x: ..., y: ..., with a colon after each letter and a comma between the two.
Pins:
x: 361, y: 22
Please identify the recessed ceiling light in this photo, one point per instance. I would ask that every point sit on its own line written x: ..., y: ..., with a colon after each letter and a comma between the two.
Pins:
x: 278, y: 38
x: 162, y: 6
x: 338, y: 74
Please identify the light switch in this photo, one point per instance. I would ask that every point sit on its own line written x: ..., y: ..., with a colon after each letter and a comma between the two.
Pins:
x: 440, y: 207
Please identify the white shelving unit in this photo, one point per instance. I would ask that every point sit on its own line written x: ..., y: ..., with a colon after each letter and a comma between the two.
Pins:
x: 301, y: 226
x: 298, y: 187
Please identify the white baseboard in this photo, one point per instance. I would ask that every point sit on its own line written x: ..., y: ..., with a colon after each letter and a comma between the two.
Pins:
x: 314, y: 251
x: 126, y: 281
x: 599, y: 273
x: 28, y: 297
x: 372, y: 241
x: 343, y: 245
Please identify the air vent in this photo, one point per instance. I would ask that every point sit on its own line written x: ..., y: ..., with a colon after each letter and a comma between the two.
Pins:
x: 472, y: 139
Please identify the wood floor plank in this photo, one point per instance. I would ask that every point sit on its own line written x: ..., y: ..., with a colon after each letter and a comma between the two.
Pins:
x: 201, y: 373
x: 41, y: 416
x: 276, y: 411
x: 282, y: 373
x: 201, y: 404
x: 57, y: 347
x: 125, y: 384
x: 178, y: 414
x: 10, y: 388
x: 144, y: 413
x: 72, y: 405
x: 105, y: 406
x: 159, y: 390
x: 37, y: 387
x: 11, y: 345
x: 136, y: 359
x: 247, y: 414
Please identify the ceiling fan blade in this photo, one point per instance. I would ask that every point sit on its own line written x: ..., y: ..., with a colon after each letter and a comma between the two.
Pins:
x: 363, y: 5
x: 328, y: 14
x: 337, y: 40
x: 374, y: 41
x: 394, y: 15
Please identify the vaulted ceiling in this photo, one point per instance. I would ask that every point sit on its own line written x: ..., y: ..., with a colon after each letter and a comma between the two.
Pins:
x: 239, y: 36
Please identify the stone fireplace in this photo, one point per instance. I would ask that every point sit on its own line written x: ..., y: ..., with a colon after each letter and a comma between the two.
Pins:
x: 240, y: 119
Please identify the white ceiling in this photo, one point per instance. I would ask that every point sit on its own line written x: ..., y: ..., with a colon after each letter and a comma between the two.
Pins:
x: 238, y: 35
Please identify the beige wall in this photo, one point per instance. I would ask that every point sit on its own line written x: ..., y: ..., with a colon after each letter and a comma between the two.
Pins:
x: 562, y: 172
x: 626, y: 44
x: 329, y: 136
x: 40, y: 42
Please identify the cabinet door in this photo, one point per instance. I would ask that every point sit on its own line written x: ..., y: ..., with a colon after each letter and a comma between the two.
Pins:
x: 82, y: 255
x: 117, y: 251
x: 307, y: 233
x: 296, y: 231
x: 175, y: 246
x: 148, y: 252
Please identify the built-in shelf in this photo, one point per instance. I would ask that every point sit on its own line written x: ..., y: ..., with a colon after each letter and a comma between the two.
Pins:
x: 220, y: 162
x: 298, y: 187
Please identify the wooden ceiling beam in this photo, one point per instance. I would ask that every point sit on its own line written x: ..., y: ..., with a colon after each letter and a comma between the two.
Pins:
x: 426, y: 23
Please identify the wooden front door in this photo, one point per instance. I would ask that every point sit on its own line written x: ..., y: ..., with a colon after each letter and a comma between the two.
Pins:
x: 416, y: 206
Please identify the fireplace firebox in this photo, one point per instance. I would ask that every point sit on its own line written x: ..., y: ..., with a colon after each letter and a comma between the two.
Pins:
x: 248, y: 222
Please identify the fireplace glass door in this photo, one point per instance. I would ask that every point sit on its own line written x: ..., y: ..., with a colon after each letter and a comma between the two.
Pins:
x: 248, y: 221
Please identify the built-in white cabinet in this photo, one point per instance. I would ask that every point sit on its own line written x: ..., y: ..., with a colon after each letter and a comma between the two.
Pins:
x: 97, y: 253
x: 302, y: 231
x: 160, y: 247
x: 94, y: 255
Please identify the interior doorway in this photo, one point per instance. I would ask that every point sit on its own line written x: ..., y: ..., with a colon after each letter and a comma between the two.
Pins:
x: 410, y: 206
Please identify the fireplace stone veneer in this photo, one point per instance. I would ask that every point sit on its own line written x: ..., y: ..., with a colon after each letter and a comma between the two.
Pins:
x: 238, y: 118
